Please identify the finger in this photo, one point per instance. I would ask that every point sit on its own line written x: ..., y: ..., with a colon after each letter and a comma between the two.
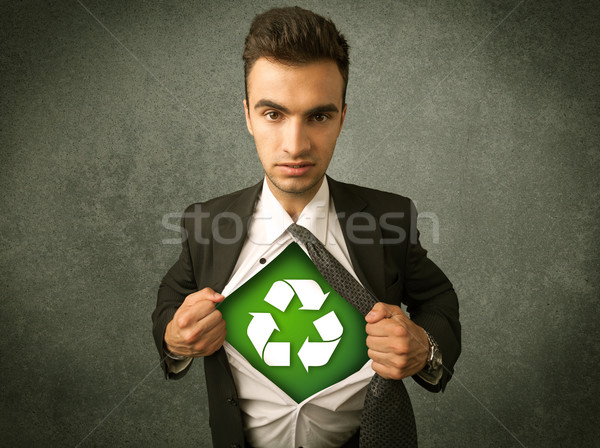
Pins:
x: 384, y: 311
x: 189, y: 314
x: 388, y: 372
x: 399, y: 315
x: 394, y: 365
x: 212, y: 341
x: 204, y: 326
x: 197, y: 302
x: 387, y: 359
x: 387, y: 328
x: 205, y: 294
x: 394, y: 346
x: 192, y: 343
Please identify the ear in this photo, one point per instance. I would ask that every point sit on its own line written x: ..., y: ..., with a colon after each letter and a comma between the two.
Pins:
x: 248, y: 122
x: 343, y: 116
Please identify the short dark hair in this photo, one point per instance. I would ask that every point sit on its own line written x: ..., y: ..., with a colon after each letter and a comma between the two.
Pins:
x: 295, y: 36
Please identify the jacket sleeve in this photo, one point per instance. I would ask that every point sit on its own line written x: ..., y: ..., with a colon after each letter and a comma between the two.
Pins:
x: 175, y: 286
x: 432, y: 304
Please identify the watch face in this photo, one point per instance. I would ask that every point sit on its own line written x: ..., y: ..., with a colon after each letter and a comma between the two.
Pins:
x: 436, y: 362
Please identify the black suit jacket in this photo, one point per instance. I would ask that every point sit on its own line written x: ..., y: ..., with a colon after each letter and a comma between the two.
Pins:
x: 380, y: 231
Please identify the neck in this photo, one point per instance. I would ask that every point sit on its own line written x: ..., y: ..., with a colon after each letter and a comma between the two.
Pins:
x: 294, y: 203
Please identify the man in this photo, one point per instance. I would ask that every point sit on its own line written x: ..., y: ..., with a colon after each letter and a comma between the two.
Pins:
x: 296, y: 67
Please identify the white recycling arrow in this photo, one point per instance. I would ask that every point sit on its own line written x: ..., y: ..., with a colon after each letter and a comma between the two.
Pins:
x: 277, y: 354
x: 280, y: 295
x: 260, y: 329
x: 310, y: 294
x: 329, y: 326
x: 315, y: 354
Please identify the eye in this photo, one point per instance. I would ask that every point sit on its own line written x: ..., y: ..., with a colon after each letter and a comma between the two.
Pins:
x: 273, y: 116
x: 320, y: 118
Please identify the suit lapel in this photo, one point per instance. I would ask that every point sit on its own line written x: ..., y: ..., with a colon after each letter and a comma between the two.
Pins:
x: 367, y: 259
x: 233, y: 229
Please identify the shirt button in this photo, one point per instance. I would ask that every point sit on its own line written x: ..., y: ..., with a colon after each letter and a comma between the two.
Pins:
x: 263, y: 261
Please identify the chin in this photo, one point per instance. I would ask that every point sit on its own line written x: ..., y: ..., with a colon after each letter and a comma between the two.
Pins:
x: 296, y: 186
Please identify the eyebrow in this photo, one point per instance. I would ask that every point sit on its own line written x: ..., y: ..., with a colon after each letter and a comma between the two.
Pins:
x: 315, y: 110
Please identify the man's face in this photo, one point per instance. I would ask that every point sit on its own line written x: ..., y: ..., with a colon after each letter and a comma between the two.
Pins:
x: 295, y: 114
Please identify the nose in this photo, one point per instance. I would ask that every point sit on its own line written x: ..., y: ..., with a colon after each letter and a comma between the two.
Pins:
x: 297, y: 139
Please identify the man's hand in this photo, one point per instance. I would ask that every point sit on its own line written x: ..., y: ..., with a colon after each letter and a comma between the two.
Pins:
x: 197, y: 329
x: 397, y: 346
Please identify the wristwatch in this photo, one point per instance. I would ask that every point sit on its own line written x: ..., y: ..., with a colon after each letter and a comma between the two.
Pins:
x: 173, y: 356
x: 434, y: 359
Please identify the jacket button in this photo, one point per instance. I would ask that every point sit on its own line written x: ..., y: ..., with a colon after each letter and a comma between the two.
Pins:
x: 232, y: 401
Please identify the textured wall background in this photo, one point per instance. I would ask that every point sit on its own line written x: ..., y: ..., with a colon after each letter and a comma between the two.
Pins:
x: 117, y: 113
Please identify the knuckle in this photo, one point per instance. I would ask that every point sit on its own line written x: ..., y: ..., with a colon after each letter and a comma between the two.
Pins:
x: 395, y: 375
x: 399, y: 347
x: 190, y: 298
x: 399, y: 331
x: 201, y: 327
x: 400, y: 363
x: 207, y: 307
x: 200, y: 347
x: 395, y: 347
x: 402, y: 330
x: 182, y: 321
x: 205, y: 291
x: 189, y: 338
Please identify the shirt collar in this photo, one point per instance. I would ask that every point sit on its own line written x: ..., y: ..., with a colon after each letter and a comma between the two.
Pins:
x: 271, y: 220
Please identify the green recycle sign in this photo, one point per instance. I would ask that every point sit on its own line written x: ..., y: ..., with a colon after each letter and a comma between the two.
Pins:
x: 293, y: 327
x: 312, y: 353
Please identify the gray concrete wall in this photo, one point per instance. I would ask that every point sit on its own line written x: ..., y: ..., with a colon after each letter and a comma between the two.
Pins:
x: 114, y: 115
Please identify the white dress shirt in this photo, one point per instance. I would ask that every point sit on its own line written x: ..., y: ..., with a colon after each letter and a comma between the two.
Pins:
x: 271, y: 418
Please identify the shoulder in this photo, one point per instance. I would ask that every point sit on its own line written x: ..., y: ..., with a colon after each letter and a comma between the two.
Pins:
x: 373, y: 199
x: 232, y: 209
x: 240, y: 202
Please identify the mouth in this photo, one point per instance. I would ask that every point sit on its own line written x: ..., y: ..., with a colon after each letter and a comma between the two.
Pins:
x: 296, y: 165
x: 295, y: 168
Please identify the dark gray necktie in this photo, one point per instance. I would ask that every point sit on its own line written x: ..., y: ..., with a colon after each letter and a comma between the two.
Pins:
x: 387, y: 418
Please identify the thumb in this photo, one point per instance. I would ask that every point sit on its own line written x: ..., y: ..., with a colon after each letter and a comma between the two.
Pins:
x: 382, y: 311
x: 379, y: 312
x: 215, y: 297
x: 206, y: 294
